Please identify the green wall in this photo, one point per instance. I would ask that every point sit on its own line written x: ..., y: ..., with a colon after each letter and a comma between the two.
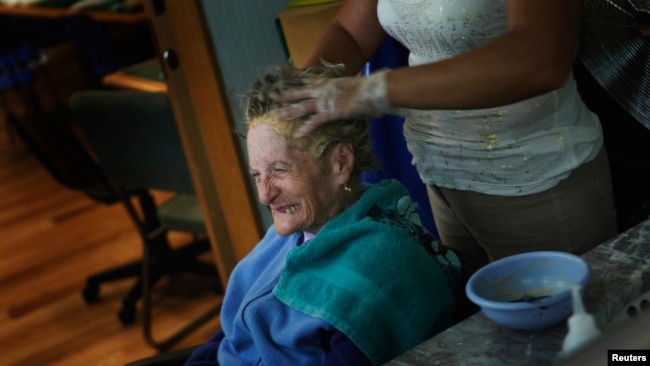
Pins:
x: 246, y: 42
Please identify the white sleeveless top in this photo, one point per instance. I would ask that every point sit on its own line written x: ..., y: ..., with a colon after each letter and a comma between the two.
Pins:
x: 516, y: 149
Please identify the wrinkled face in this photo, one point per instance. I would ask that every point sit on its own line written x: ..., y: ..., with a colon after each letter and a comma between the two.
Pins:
x: 299, y: 194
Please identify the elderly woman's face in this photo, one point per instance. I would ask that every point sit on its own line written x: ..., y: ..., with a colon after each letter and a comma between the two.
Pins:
x: 300, y: 195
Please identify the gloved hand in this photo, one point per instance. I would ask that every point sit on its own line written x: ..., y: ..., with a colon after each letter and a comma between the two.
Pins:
x: 335, y: 99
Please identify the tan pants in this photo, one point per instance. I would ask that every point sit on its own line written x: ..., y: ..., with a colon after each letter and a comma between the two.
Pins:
x: 574, y: 216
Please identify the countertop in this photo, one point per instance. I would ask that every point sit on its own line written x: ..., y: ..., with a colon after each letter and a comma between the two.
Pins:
x: 620, y: 273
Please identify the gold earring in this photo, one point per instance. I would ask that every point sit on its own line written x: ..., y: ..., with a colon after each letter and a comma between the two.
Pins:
x: 347, y: 188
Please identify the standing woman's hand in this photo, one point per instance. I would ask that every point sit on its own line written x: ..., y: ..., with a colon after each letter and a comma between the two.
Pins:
x: 336, y: 99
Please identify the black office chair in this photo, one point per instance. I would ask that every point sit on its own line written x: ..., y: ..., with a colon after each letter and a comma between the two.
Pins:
x: 135, y: 140
x: 46, y: 130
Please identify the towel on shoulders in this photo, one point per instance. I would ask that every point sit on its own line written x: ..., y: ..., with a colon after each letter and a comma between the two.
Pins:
x: 371, y: 273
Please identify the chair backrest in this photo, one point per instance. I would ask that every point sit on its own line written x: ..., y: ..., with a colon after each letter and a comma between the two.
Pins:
x: 134, y: 137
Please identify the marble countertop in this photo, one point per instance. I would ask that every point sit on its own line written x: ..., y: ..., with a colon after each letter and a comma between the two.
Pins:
x: 620, y: 273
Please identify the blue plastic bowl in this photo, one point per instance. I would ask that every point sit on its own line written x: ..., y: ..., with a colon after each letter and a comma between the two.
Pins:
x: 528, y: 291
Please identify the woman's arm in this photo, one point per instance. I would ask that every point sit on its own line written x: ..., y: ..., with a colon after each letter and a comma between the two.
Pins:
x: 532, y: 57
x: 351, y: 39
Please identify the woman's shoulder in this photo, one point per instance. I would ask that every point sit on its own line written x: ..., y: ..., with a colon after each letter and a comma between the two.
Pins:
x: 270, y: 252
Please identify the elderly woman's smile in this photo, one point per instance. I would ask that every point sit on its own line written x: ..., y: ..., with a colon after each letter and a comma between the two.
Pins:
x: 290, y: 210
x: 299, y: 193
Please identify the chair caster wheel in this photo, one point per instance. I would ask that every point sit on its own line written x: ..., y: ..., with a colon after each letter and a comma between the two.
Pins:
x: 126, y: 316
x: 90, y: 293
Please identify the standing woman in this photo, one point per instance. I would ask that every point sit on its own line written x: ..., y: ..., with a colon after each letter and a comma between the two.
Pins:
x: 512, y: 158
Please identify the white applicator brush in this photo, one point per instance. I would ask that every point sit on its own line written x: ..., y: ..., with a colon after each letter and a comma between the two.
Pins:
x: 582, y: 326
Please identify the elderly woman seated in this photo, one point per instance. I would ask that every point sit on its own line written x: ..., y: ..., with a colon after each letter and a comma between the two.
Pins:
x: 346, y: 275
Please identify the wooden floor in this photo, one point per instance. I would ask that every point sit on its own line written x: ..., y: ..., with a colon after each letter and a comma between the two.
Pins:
x: 51, y: 239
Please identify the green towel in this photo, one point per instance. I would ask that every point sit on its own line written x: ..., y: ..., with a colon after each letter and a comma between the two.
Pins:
x: 369, y: 273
